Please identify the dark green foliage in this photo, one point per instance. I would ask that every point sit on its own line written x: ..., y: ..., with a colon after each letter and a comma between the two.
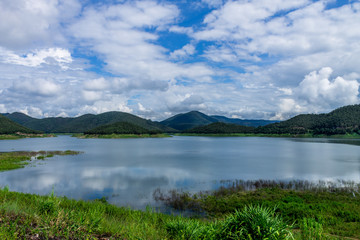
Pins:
x: 84, y: 123
x: 244, y: 122
x: 9, y: 127
x: 121, y: 128
x: 344, y: 120
x: 220, y: 128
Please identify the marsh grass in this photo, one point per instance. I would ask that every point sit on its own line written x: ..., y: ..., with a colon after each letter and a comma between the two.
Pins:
x: 334, y: 205
x: 14, y: 160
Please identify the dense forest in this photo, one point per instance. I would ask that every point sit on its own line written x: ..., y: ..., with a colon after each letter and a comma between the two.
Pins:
x: 344, y: 120
x: 121, y: 128
x: 220, y: 128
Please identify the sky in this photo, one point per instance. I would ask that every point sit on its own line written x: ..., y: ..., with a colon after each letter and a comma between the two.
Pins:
x: 249, y: 59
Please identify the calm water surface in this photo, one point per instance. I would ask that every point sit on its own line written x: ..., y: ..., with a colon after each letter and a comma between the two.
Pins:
x: 127, y: 171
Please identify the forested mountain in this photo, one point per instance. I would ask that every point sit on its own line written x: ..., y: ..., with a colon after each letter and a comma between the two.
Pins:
x: 84, y: 123
x: 188, y: 120
x: 340, y: 121
x: 193, y: 119
x: 221, y: 128
x: 244, y: 122
x: 9, y: 127
x: 121, y: 128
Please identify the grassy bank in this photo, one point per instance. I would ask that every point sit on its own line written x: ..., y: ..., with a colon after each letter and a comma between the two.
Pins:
x: 14, y: 160
x: 23, y: 135
x: 111, y: 136
x: 333, y: 206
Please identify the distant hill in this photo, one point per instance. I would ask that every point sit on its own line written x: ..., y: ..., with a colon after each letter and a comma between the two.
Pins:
x: 84, y: 123
x: 188, y: 120
x: 244, y: 122
x: 9, y: 127
x: 221, y: 128
x: 120, y: 128
x: 340, y: 121
x: 193, y: 119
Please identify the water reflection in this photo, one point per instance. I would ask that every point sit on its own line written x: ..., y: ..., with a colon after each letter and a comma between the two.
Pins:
x: 127, y: 171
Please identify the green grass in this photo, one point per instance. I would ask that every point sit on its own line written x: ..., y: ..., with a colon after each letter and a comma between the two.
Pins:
x: 113, y: 136
x: 14, y: 160
x: 24, y: 135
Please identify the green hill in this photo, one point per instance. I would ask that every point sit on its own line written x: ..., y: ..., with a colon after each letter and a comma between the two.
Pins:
x: 221, y: 128
x: 340, y: 121
x: 188, y: 120
x: 85, y: 122
x: 120, y: 128
x: 9, y: 127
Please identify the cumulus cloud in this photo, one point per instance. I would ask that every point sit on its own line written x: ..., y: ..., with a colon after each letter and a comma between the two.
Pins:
x: 318, y: 92
x: 250, y: 59
x: 316, y: 88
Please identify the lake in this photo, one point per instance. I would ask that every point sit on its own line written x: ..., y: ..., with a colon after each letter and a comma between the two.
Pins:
x: 127, y: 171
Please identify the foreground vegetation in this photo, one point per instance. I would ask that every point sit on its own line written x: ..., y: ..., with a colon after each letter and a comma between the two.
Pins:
x: 331, y: 208
x: 27, y: 216
x: 14, y: 160
x: 272, y: 214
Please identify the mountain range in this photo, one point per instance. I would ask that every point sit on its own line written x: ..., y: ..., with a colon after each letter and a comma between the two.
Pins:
x: 88, y: 122
x: 340, y: 121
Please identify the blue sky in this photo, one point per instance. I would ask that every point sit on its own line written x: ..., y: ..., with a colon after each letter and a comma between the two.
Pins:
x: 253, y: 59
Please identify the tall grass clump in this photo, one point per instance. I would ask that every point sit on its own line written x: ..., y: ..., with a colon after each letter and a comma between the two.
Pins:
x: 255, y: 222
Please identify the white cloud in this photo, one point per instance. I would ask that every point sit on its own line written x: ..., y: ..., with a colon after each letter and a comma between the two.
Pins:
x: 316, y: 88
x: 184, y: 52
x: 97, y: 84
x: 3, y: 108
x: 32, y: 111
x: 26, y: 23
x: 39, y: 87
x: 91, y: 96
x: 58, y: 56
